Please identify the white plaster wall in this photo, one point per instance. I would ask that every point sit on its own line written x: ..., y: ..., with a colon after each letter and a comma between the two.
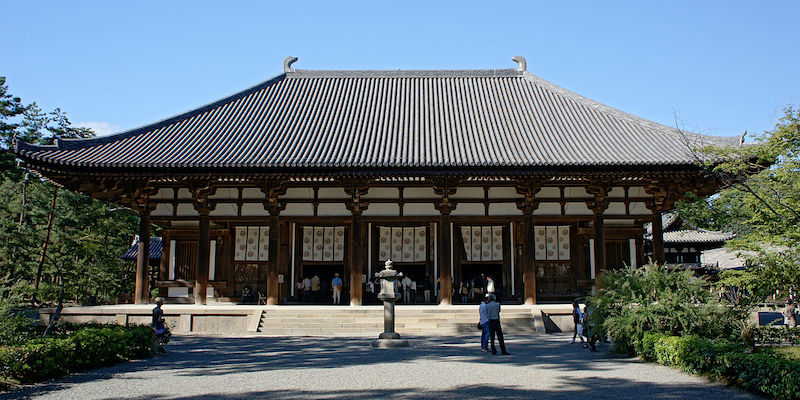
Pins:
x: 619, y: 222
x: 382, y: 209
x: 503, y: 193
x: 332, y: 193
x: 576, y: 192
x: 615, y: 209
x: 186, y: 210
x: 549, y: 192
x: 382, y: 193
x: 419, y: 209
x: 468, y: 193
x: 617, y: 192
x: 637, y: 191
x: 226, y: 193
x: 163, y: 194
x: 185, y: 223
x: 504, y: 209
x: 577, y: 208
x: 162, y: 210
x: 548, y: 209
x: 299, y: 193
x: 253, y: 210
x: 184, y: 193
x: 298, y: 210
x: 475, y: 209
x: 252, y: 193
x: 333, y: 210
x: 639, y: 208
x: 418, y: 193
x: 224, y: 210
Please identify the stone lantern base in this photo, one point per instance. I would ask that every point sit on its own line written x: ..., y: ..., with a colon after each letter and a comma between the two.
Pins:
x: 389, y: 340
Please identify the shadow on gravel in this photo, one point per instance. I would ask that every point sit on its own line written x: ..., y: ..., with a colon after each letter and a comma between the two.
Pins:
x: 206, y: 356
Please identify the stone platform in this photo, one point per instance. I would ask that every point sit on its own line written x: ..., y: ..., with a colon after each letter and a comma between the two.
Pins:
x: 302, y: 320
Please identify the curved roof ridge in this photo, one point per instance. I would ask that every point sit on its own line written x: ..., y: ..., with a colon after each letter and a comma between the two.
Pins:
x: 615, y: 112
x: 431, y: 73
x: 76, y: 143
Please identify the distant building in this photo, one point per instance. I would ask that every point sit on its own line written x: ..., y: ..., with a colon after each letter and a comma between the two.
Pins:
x: 685, y: 248
x: 449, y: 173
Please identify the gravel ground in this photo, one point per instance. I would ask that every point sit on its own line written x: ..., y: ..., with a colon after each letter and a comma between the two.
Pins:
x: 251, y: 367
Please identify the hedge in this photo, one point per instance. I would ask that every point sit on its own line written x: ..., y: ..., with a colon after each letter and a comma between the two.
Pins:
x: 764, y: 373
x: 82, y: 349
x: 776, y: 335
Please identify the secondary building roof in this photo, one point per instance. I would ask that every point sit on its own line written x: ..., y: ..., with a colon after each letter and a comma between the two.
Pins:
x: 155, y: 250
x: 504, y: 119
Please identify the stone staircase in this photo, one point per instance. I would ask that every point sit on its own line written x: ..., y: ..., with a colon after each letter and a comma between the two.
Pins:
x: 368, y: 321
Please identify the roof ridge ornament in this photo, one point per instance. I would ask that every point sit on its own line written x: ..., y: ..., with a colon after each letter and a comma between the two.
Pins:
x: 523, y: 64
x: 287, y: 63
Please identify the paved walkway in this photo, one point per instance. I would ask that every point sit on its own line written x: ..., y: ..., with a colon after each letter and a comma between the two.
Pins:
x: 541, y: 366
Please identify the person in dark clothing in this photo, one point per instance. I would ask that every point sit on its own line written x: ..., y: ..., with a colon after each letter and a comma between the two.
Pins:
x: 160, y: 332
x: 493, y: 312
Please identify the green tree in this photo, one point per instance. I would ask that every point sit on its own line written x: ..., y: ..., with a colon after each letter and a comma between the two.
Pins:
x: 87, y: 236
x: 760, y: 202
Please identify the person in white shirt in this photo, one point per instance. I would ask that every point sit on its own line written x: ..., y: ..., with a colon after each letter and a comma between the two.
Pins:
x: 483, y: 323
x: 306, y: 289
x: 493, y: 312
x: 489, y: 285
x: 406, y: 289
x: 413, y: 289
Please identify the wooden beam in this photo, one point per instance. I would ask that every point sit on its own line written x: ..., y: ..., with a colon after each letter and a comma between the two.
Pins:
x: 142, y: 290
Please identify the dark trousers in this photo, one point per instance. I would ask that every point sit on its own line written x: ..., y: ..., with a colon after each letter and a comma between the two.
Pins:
x: 485, y: 336
x: 495, y: 329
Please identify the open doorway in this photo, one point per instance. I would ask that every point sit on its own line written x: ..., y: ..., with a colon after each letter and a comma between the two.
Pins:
x: 477, y: 274
x: 326, y: 273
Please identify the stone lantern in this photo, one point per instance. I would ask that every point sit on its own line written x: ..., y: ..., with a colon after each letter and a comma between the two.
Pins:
x: 389, y: 338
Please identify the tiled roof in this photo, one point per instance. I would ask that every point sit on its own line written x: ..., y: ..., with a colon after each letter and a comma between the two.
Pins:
x: 155, y: 250
x: 668, y: 222
x: 724, y: 258
x: 411, y: 120
x: 695, y: 236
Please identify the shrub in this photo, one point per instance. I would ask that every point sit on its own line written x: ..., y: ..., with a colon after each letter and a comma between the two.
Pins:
x: 776, y: 335
x: 81, y: 349
x: 655, y: 299
x: 689, y: 353
x: 761, y: 372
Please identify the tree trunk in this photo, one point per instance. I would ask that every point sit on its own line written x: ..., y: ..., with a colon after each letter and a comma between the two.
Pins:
x: 45, y: 244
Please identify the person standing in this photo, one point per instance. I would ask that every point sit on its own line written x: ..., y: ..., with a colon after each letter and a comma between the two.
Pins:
x: 299, y: 289
x: 406, y: 289
x: 315, y: 289
x: 160, y: 332
x: 337, y: 288
x: 788, y: 316
x: 413, y: 289
x: 489, y: 285
x: 463, y: 290
x: 577, y: 320
x: 427, y: 289
x: 306, y: 289
x: 493, y: 312
x: 483, y: 323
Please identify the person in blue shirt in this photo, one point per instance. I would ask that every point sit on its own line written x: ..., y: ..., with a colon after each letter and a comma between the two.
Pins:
x: 337, y: 289
x: 483, y: 323
x: 493, y: 312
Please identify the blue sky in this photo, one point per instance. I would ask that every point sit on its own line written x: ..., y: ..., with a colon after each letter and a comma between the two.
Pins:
x: 721, y: 66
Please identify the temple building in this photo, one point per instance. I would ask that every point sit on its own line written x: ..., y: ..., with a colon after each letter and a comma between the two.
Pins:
x: 450, y: 174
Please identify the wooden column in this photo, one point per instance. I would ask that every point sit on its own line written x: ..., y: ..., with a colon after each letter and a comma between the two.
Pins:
x: 598, y: 206
x: 528, y: 188
x: 658, y: 238
x: 445, y: 279
x: 142, y: 291
x: 599, y: 242
x: 273, y: 297
x: 201, y: 190
x: 445, y: 187
x: 529, y: 260
x: 356, y: 188
x: 273, y: 188
x: 201, y: 270
x: 356, y: 261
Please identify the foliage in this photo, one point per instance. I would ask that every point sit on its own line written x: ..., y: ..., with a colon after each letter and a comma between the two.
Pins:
x: 764, y: 372
x: 655, y: 299
x: 85, y: 348
x: 87, y: 238
x: 761, y: 203
x: 776, y: 335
